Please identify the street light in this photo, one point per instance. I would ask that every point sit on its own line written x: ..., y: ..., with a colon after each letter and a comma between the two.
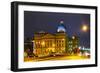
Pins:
x: 73, y: 37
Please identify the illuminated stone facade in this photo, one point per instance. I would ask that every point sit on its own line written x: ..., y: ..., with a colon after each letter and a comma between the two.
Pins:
x: 48, y: 44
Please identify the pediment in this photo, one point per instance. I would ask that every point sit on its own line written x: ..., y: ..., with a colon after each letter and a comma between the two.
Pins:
x: 48, y: 36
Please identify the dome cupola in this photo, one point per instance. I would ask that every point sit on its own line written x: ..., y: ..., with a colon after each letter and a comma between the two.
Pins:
x: 61, y: 27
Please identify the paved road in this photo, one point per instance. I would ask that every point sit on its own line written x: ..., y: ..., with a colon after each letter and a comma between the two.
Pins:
x: 73, y: 57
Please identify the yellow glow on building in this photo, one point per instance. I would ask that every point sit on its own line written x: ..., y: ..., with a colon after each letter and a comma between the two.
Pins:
x: 49, y: 43
x: 53, y: 45
x: 63, y: 39
x: 43, y: 43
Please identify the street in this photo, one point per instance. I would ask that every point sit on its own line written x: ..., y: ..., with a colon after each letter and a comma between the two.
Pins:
x: 72, y: 57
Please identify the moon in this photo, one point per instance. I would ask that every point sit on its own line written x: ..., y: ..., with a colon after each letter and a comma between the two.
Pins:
x: 84, y: 28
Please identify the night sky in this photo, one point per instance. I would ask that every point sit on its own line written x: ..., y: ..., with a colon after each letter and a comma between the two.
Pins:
x: 49, y: 21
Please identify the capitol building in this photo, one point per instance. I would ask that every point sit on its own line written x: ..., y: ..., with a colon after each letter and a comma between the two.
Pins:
x: 59, y: 43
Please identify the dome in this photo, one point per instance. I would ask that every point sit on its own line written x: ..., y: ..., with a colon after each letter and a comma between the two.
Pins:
x: 61, y: 27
